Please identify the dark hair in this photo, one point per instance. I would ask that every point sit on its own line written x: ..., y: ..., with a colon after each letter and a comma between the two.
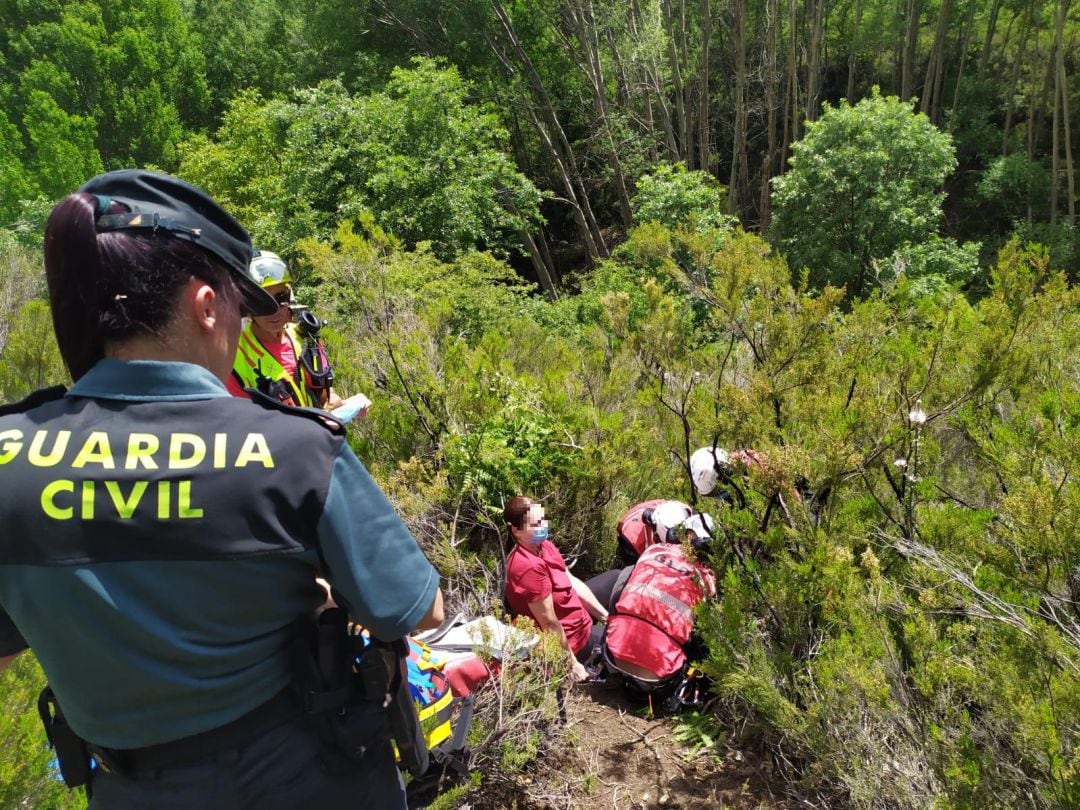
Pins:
x: 111, y: 286
x: 516, y: 509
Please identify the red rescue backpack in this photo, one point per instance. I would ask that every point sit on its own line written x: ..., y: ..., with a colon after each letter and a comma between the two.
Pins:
x: 654, y: 613
x: 635, y: 535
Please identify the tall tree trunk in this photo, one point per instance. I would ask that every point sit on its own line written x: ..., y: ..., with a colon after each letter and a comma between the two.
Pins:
x: 813, y: 68
x: 677, y: 85
x: 792, y: 117
x: 771, y: 79
x: 623, y: 96
x: 907, y: 81
x: 1070, y: 177
x: 988, y: 40
x: 559, y: 148
x: 540, y: 257
x: 935, y: 65
x: 684, y: 55
x: 583, y: 21
x: 1014, y: 79
x: 965, y: 43
x: 657, y: 102
x: 854, y: 49
x: 1061, y: 92
x: 704, y: 136
x: 1035, y: 96
x: 900, y: 47
x: 738, y: 141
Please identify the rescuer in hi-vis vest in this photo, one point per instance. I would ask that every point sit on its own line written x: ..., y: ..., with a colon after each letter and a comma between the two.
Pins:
x: 162, y: 539
x: 282, y: 354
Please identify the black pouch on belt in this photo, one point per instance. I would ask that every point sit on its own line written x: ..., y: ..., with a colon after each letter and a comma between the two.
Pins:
x: 347, y: 720
x: 71, y: 751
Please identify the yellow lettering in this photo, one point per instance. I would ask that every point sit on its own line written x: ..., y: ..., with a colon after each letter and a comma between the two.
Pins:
x: 177, y: 443
x: 87, y: 500
x: 163, y: 496
x: 96, y: 450
x: 48, y: 500
x: 140, y: 450
x: 183, y: 502
x: 125, y: 507
x: 220, y: 440
x: 10, y: 444
x: 255, y: 449
x: 35, y: 456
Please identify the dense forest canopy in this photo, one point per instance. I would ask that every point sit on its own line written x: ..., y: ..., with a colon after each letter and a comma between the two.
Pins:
x: 563, y: 243
x: 583, y: 97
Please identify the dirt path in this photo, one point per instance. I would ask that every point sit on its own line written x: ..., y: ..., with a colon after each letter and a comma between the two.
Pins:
x: 633, y: 762
x: 614, y: 755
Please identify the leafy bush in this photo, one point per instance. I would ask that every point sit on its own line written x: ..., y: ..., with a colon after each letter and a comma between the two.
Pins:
x: 673, y: 196
x: 417, y: 155
x: 864, y: 181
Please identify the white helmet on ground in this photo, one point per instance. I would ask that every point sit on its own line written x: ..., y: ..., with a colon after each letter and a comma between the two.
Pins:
x: 705, y: 464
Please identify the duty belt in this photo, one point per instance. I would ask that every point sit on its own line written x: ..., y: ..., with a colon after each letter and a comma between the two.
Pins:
x: 277, y: 711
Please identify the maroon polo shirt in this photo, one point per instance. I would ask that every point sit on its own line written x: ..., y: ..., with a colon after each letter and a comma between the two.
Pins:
x: 532, y: 576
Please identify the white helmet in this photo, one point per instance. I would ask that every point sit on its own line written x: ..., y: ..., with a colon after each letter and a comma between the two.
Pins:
x: 705, y: 464
x: 267, y: 269
x: 700, y: 528
x: 667, y: 517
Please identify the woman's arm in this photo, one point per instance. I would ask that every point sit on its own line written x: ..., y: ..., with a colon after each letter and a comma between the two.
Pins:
x: 544, y: 613
x: 588, y: 598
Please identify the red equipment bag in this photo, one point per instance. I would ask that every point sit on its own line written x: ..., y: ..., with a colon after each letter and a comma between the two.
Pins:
x: 654, y: 614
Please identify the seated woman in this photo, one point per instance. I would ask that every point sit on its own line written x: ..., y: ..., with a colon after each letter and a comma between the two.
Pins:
x: 539, y: 585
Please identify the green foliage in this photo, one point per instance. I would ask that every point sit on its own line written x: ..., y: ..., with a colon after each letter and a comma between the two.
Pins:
x: 29, y: 358
x: 912, y: 641
x: 15, y: 185
x: 420, y: 158
x: 697, y: 731
x: 934, y: 265
x: 864, y: 181
x: 26, y: 777
x: 1011, y: 184
x: 98, y: 84
x: 673, y: 196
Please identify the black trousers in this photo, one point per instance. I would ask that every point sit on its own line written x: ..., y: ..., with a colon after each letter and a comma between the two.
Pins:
x: 279, y: 770
x: 603, y: 585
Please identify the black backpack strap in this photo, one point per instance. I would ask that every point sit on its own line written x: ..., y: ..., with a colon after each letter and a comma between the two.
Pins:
x: 39, y: 397
x: 327, y: 420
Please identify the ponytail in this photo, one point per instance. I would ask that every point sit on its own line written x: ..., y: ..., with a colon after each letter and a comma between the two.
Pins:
x: 72, y: 271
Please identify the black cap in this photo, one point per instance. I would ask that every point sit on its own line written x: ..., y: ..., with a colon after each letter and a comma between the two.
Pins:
x: 162, y: 202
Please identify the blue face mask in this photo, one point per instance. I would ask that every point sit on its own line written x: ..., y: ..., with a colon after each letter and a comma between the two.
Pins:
x: 540, y: 534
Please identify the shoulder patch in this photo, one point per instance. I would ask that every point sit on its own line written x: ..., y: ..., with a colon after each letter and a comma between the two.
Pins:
x: 39, y: 397
x: 321, y: 417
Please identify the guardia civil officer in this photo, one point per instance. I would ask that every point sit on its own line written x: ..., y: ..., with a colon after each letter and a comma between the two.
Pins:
x: 160, y: 537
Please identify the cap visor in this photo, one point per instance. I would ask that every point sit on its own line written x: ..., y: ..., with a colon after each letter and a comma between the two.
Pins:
x: 257, y: 301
